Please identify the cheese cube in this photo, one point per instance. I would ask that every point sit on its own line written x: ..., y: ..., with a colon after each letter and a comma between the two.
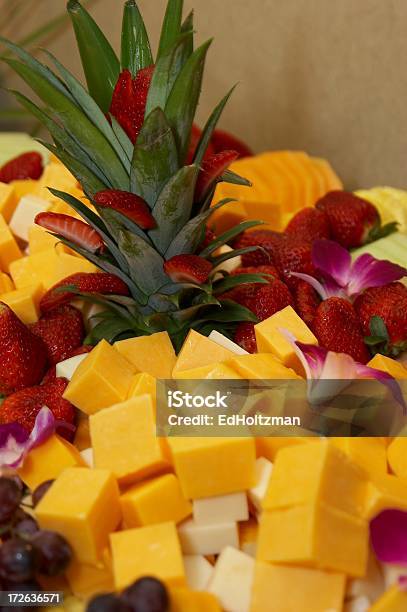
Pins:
x: 82, y: 505
x: 209, y: 539
x: 101, y: 380
x: 393, y: 600
x: 85, y: 581
x: 270, y: 446
x: 124, y: 440
x: 48, y: 460
x: 368, y: 453
x: 271, y: 340
x: 316, y: 473
x: 8, y: 201
x: 370, y: 585
x: 143, y: 384
x: 155, y: 501
x: 9, y: 249
x: 153, y: 354
x: 23, y: 187
x: 40, y: 240
x: 391, y: 366
x: 82, y: 436
x: 314, y: 535
x: 358, y: 604
x: 295, y: 589
x: 184, y: 600
x: 263, y: 366
x: 257, y: 493
x: 24, y: 302
x: 24, y: 215
x: 6, y: 284
x: 34, y: 269
x: 397, y: 455
x: 221, y: 509
x: 67, y: 264
x: 87, y: 456
x: 248, y: 532
x: 232, y: 580
x: 222, y: 340
x: 198, y: 572
x: 198, y: 351
x: 57, y: 176
x: 67, y: 368
x: 147, y: 551
x: 385, y: 491
x: 213, y: 466
x: 214, y: 371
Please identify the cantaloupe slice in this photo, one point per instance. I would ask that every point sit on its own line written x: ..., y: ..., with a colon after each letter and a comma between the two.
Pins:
x: 332, y: 180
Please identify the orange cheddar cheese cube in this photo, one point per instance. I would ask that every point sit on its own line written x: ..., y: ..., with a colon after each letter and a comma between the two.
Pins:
x: 6, y: 284
x: 214, y: 371
x: 9, y: 249
x: 397, y: 455
x: 198, y: 351
x: 124, y: 440
x: 24, y: 302
x: 185, y: 600
x: 314, y: 535
x: 385, y: 491
x: 147, y: 551
x: 82, y: 505
x: 295, y: 589
x: 47, y: 461
x: 8, y: 201
x: 270, y: 446
x: 391, y: 366
x: 85, y: 581
x: 143, y: 384
x: 271, y: 340
x: 316, y: 473
x: 37, y: 268
x: 368, y: 453
x: 23, y: 187
x: 393, y: 600
x: 68, y: 264
x: 248, y: 534
x: 153, y: 354
x: 101, y: 380
x: 264, y: 366
x: 40, y: 240
x: 155, y: 501
x: 213, y: 466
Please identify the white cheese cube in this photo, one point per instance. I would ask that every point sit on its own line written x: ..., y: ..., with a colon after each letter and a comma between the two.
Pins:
x: 221, y: 509
x: 87, y: 456
x: 263, y: 470
x: 232, y: 580
x: 23, y: 218
x: 359, y: 604
x: 220, y: 339
x: 392, y: 573
x: 230, y: 264
x: 66, y: 369
x: 198, y: 572
x: 207, y: 539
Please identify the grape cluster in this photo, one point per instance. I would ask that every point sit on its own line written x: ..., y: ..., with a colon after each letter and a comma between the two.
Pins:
x: 145, y: 595
x: 26, y: 551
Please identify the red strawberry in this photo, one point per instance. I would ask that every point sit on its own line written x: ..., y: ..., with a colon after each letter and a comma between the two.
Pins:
x: 307, y: 301
x: 74, y: 230
x: 351, y: 218
x: 222, y: 141
x: 211, y: 171
x: 269, y: 299
x: 267, y: 239
x: 23, y: 406
x: 272, y: 270
x: 85, y: 282
x: 337, y: 328
x: 25, y: 166
x: 243, y: 294
x: 129, y: 100
x: 208, y: 238
x: 196, y: 134
x: 23, y: 356
x: 293, y: 255
x: 129, y: 204
x: 245, y: 337
x: 62, y: 331
x: 309, y: 224
x: 188, y: 269
x: 390, y: 304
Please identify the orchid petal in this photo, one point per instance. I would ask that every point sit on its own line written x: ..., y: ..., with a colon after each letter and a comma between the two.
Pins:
x: 388, y: 533
x: 309, y: 362
x: 319, y: 288
x: 386, y: 379
x: 332, y: 260
x: 402, y: 582
x: 370, y: 272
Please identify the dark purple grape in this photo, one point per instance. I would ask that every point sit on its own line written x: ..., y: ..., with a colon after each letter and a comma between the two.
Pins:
x: 26, y: 528
x: 18, y: 561
x: 147, y: 595
x: 40, y: 491
x: 107, y: 603
x: 53, y: 552
x: 10, y: 498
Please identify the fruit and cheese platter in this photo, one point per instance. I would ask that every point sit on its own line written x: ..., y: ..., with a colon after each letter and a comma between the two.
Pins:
x: 137, y: 247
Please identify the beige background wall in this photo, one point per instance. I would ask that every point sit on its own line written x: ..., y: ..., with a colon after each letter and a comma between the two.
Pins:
x: 327, y: 76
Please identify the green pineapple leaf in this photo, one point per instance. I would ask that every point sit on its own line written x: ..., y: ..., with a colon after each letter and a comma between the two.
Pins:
x: 209, y: 128
x: 220, y: 259
x: 116, y: 222
x: 235, y: 179
x: 171, y: 27
x: 135, y: 45
x: 230, y: 282
x: 229, y: 235
x: 125, y: 142
x: 188, y: 26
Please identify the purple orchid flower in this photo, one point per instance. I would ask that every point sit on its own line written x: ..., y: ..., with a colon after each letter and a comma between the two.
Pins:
x: 16, y: 442
x: 343, y: 278
x: 388, y: 534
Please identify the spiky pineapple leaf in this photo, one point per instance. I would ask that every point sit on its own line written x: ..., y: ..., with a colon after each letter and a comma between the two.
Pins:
x: 100, y: 63
x: 135, y: 45
x: 220, y: 259
x: 116, y: 222
x: 173, y: 207
x: 231, y: 312
x: 188, y: 26
x: 209, y: 128
x: 123, y: 139
x: 145, y: 263
x: 235, y: 179
x: 230, y: 282
x: 229, y: 235
x: 171, y: 26
x: 155, y: 157
x: 184, y: 97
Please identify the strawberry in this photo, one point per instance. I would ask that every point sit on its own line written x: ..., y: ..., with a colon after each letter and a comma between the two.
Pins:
x: 128, y: 204
x: 196, y: 134
x: 188, y: 269
x: 129, y: 100
x: 23, y: 406
x: 351, y: 218
x: 307, y: 301
x: 269, y: 299
x: 245, y: 337
x: 84, y: 282
x: 293, y: 255
x: 222, y: 141
x: 25, y: 166
x: 337, y: 328
x: 51, y: 374
x: 267, y: 239
x: 309, y: 224
x: 207, y: 239
x: 270, y: 270
x: 62, y: 331
x: 23, y: 356
x: 390, y: 304
x: 211, y: 171
x: 244, y: 294
x: 76, y: 231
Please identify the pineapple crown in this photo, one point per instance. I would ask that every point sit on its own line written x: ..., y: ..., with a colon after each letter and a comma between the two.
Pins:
x: 130, y: 133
